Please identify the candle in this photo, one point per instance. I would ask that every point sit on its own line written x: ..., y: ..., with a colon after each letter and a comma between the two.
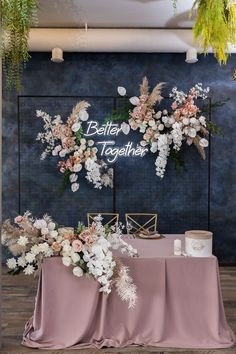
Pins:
x: 177, y: 247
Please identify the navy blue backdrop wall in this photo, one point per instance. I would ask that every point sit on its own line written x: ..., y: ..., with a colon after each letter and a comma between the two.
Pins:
x: 201, y: 197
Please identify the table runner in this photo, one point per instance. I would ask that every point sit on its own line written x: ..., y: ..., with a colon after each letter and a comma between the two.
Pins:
x: 179, y: 305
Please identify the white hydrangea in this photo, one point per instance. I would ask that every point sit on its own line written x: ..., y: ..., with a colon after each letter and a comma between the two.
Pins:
x: 30, y: 257
x: 22, y: 241
x: 11, y: 263
x: 29, y: 270
x: 21, y: 261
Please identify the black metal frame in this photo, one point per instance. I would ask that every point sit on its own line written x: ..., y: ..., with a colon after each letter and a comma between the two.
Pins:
x: 114, y: 181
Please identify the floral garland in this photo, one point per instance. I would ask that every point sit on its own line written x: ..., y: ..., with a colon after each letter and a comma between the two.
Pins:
x: 67, y: 141
x: 87, y: 250
x: 163, y: 131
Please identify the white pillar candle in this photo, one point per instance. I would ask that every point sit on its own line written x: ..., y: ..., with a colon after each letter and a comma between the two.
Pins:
x: 177, y: 247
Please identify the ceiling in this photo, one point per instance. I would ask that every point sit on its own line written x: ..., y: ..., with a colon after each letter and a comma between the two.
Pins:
x: 114, y: 13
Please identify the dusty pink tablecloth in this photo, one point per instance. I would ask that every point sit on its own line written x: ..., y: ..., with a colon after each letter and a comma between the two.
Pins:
x: 179, y: 305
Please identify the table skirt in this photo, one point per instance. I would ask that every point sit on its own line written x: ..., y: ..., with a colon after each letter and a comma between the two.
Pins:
x: 179, y: 305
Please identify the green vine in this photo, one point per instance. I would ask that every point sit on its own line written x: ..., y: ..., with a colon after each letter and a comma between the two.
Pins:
x: 17, y: 16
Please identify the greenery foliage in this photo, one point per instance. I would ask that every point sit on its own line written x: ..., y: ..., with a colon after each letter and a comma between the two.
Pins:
x: 17, y: 16
x: 215, y: 26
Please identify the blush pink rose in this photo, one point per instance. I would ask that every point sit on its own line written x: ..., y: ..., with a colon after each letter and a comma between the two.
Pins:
x: 56, y: 247
x: 18, y: 219
x: 77, y: 245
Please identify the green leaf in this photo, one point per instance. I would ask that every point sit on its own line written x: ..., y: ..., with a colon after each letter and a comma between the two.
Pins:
x: 65, y: 181
x: 178, y: 161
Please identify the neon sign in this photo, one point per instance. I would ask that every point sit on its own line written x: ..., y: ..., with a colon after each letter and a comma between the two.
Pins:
x: 108, y: 148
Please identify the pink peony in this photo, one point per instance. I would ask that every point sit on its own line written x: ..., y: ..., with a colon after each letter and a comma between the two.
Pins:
x: 77, y: 245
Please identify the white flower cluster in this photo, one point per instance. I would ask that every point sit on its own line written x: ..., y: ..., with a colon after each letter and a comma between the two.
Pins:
x: 86, y: 251
x: 164, y: 131
x: 32, y: 253
x: 99, y: 174
x: 47, y: 137
x: 66, y: 141
x: 163, y: 147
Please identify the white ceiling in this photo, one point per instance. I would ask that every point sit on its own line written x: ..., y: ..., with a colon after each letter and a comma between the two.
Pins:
x: 114, y: 13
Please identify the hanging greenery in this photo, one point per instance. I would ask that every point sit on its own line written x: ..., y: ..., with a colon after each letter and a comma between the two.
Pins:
x: 17, y: 16
x: 215, y: 26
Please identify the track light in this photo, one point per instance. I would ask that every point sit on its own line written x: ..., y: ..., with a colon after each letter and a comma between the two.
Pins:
x: 191, y: 56
x: 57, y: 55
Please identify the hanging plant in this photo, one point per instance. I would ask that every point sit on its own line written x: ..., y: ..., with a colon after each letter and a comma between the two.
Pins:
x: 17, y: 16
x: 215, y: 26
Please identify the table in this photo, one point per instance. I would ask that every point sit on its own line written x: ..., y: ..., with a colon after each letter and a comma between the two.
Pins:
x: 179, y: 304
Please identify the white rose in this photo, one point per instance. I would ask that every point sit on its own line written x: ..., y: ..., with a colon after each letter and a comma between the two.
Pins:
x: 121, y: 90
x: 44, y: 231
x: 51, y: 225
x: 53, y: 233
x: 151, y: 122
x: 83, y: 114
x: 77, y: 167
x: 192, y: 132
x: 165, y: 119
x: 186, y: 121
x: 82, y: 141
x: 161, y: 127
x: 40, y: 224
x: 73, y: 177
x: 74, y: 187
x: 78, y: 272
x: 75, y: 127
x: 193, y: 120
x: 202, y: 120
x: 90, y: 143
x: 75, y: 257
x: 158, y: 115
x: 203, y: 143
x: 66, y: 261
x: 134, y: 101
x: 171, y: 120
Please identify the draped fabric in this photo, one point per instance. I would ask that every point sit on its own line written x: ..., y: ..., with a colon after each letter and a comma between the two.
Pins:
x: 179, y: 305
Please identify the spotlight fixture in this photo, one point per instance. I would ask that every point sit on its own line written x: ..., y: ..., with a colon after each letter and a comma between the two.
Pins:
x: 191, y: 56
x: 57, y: 55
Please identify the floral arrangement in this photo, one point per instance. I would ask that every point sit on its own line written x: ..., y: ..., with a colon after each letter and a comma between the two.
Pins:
x: 67, y: 141
x: 87, y: 250
x: 164, y: 132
